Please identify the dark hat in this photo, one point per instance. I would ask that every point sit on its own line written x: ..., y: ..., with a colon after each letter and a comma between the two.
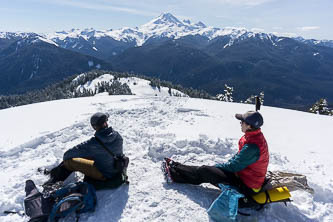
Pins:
x: 252, y: 118
x: 98, y: 119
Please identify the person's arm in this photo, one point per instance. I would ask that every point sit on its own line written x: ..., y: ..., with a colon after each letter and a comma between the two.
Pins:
x: 78, y: 151
x: 249, y: 154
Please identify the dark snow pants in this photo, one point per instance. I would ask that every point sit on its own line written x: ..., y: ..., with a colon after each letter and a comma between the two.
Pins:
x: 92, y: 174
x: 206, y: 174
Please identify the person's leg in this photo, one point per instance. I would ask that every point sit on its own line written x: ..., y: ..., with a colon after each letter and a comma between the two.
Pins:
x: 184, y: 174
x: 198, y: 174
x: 207, y: 174
x: 84, y: 166
x: 58, y: 173
x: 215, y: 176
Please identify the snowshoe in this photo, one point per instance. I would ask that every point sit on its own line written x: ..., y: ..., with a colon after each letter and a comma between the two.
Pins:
x: 166, y: 170
x: 43, y: 170
x: 48, y: 188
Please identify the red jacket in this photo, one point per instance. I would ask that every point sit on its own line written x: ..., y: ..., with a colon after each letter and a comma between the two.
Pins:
x: 253, y: 175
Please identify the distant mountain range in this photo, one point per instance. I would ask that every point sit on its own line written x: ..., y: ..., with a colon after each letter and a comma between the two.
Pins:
x: 293, y: 72
x: 30, y: 62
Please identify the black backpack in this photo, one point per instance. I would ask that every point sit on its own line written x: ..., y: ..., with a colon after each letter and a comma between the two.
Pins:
x: 77, y: 197
x: 36, y: 205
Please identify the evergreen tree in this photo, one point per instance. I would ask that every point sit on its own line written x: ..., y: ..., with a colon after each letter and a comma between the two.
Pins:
x: 169, y: 91
x: 321, y: 107
x: 155, y: 83
x: 261, y: 97
x: 251, y: 99
x: 227, y: 96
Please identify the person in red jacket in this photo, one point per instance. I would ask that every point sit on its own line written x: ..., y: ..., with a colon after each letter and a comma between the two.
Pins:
x: 246, y: 170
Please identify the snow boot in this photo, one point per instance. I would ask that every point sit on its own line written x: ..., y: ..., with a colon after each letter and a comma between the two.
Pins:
x: 43, y: 170
x: 166, y: 165
x: 57, y: 174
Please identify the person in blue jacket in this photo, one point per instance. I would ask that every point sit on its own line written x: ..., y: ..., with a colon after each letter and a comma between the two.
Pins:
x: 90, y: 157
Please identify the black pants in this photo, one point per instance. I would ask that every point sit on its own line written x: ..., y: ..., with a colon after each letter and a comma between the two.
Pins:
x: 207, y: 174
x: 60, y: 173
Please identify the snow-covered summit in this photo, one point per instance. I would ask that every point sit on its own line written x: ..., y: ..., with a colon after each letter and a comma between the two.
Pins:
x: 26, y: 37
x: 191, y: 131
x: 10, y: 35
x: 327, y: 43
x: 166, y: 18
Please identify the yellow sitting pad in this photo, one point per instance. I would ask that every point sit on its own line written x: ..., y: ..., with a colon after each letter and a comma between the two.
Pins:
x: 275, y: 194
x: 84, y: 166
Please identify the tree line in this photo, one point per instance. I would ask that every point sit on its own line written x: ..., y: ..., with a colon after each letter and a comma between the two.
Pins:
x: 70, y: 88
x: 319, y: 107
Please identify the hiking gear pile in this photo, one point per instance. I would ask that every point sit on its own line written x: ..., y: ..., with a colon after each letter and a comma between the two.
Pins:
x: 79, y: 197
x: 276, y: 188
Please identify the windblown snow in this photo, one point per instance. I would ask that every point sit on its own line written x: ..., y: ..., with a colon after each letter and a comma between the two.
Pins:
x: 192, y: 131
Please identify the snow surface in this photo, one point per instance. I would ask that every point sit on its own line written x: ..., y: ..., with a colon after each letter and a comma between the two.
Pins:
x: 138, y: 86
x: 192, y: 131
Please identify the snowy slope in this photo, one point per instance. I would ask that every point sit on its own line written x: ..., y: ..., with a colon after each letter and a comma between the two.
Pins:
x: 193, y: 131
x: 26, y: 37
x: 138, y: 86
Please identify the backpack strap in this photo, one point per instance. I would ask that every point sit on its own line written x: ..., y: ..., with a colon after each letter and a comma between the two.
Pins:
x: 55, y: 214
x: 123, y: 174
x: 104, y: 146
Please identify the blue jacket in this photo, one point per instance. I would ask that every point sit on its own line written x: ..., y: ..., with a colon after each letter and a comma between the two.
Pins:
x: 93, y: 150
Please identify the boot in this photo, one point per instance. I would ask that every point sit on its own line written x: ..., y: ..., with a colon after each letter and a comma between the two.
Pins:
x: 59, y: 173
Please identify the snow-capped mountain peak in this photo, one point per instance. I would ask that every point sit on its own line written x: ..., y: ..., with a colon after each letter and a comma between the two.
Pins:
x: 164, y: 26
x: 166, y: 18
x: 31, y: 38
x: 187, y: 21
x: 12, y: 35
x: 201, y: 24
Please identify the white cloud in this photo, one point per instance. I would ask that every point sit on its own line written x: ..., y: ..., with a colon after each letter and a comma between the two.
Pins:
x: 100, y: 6
x: 308, y: 28
x: 285, y: 34
x: 245, y: 2
x: 257, y: 30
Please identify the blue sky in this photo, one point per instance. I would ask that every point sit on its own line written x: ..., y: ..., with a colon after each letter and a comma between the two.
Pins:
x: 307, y: 18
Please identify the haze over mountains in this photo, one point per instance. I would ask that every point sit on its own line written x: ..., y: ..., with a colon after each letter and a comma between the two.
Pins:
x: 293, y: 72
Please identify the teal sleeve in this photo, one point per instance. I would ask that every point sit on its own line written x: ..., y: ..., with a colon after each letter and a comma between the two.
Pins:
x: 249, y: 154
